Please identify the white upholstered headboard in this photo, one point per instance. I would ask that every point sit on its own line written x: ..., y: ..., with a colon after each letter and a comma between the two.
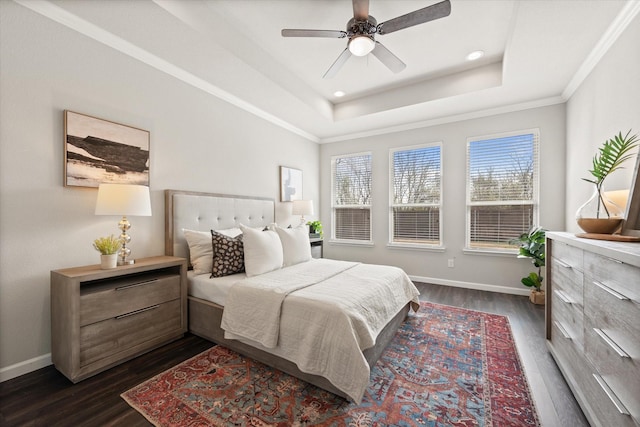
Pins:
x: 208, y: 211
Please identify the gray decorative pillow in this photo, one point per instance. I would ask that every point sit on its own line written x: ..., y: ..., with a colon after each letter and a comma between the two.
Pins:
x: 228, y: 254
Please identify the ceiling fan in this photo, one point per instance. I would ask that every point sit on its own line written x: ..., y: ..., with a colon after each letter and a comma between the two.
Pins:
x: 361, y: 31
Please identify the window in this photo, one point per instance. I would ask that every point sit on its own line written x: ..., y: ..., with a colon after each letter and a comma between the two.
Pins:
x: 502, y: 188
x: 416, y: 195
x: 351, y: 197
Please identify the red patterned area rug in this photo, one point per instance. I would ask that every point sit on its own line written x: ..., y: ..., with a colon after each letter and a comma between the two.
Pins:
x: 446, y: 366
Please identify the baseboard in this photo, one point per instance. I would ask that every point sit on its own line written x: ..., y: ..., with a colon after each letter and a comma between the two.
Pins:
x: 471, y: 285
x: 25, y: 367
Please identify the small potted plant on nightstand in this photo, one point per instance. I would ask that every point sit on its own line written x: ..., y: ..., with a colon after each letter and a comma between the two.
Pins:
x: 108, y: 248
x: 532, y: 245
x: 315, y: 229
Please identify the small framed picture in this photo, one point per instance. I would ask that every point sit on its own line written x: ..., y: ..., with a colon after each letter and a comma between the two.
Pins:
x: 99, y: 151
x: 290, y: 184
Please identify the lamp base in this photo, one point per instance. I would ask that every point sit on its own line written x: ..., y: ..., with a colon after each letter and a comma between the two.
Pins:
x: 126, y: 262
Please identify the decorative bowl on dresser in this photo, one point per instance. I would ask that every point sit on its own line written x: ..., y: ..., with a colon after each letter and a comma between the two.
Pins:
x: 593, y: 324
x: 100, y: 318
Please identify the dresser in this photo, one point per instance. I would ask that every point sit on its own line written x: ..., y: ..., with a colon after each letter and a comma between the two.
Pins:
x: 593, y: 324
x: 100, y: 318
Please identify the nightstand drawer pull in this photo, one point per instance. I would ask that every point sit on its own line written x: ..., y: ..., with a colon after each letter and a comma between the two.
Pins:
x: 133, y: 285
x: 563, y: 264
x: 562, y: 330
x: 562, y: 296
x: 142, y: 310
x: 611, y: 291
x: 611, y: 343
x: 611, y: 395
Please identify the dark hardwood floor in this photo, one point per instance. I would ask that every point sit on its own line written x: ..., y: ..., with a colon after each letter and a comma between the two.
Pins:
x: 46, y: 398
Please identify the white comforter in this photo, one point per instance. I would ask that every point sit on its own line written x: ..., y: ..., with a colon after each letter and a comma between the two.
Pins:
x: 320, y: 315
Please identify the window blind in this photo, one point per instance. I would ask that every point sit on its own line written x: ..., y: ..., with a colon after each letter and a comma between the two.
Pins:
x: 502, y: 194
x: 351, y: 197
x: 416, y: 194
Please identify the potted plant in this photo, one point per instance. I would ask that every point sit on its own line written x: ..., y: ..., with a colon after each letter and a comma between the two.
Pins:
x: 108, y: 248
x: 532, y: 245
x: 315, y: 228
x: 599, y: 215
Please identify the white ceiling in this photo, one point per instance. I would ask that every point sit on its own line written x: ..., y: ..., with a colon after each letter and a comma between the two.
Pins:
x: 537, y: 51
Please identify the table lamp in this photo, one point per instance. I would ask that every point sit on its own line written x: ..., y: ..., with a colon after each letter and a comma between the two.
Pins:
x: 123, y: 199
x: 302, y: 207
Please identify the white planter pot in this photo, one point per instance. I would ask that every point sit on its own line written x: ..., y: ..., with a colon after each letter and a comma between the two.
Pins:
x: 108, y: 261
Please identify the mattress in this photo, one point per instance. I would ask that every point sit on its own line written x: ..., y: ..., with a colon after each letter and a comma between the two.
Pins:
x: 213, y: 289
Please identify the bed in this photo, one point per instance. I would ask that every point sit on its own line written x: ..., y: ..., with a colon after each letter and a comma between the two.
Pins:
x: 198, y: 211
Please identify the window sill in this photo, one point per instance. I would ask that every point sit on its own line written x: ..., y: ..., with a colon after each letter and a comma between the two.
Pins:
x: 416, y: 247
x: 360, y: 243
x: 491, y: 252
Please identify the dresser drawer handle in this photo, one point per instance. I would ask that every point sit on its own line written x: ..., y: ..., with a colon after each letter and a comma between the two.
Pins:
x: 611, y: 343
x: 611, y: 291
x: 142, y: 310
x: 133, y: 285
x: 611, y: 395
x: 563, y: 264
x: 562, y: 330
x: 562, y: 296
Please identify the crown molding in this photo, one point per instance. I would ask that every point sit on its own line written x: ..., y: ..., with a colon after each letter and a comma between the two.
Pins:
x: 61, y: 16
x: 617, y: 27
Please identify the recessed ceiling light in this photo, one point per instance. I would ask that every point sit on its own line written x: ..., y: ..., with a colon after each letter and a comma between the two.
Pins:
x: 339, y: 94
x: 477, y: 54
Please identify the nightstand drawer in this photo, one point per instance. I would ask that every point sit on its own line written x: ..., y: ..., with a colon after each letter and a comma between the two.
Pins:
x: 100, y: 302
x: 103, y: 339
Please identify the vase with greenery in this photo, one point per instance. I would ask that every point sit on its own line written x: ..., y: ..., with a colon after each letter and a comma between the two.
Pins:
x: 108, y: 248
x: 315, y: 227
x: 598, y: 214
x: 532, y: 245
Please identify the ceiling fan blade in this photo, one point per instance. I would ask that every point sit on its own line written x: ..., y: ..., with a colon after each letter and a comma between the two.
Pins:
x: 361, y: 10
x: 335, y: 67
x: 332, y: 34
x: 420, y: 16
x: 385, y: 56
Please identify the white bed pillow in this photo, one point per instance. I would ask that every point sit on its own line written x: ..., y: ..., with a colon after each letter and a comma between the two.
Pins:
x: 201, y: 249
x: 262, y: 251
x: 295, y: 244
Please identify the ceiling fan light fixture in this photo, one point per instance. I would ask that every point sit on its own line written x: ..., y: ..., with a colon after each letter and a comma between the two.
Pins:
x: 361, y: 45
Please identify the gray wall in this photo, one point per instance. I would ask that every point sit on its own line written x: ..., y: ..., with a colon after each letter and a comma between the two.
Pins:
x: 197, y: 143
x: 606, y: 103
x: 480, y: 271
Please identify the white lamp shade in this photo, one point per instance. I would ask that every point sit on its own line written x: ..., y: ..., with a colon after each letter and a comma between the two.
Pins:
x: 361, y: 45
x: 123, y: 199
x: 302, y: 207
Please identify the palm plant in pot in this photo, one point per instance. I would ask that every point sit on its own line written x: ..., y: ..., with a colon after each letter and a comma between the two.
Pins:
x: 599, y: 215
x: 532, y: 245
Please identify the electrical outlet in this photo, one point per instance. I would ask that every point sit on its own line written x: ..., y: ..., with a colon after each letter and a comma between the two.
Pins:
x: 450, y: 263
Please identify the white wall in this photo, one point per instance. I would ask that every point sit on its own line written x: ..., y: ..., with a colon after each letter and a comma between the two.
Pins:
x: 197, y: 143
x: 606, y: 103
x: 492, y: 272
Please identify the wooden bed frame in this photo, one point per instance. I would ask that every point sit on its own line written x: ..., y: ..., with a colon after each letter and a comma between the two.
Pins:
x: 207, y: 211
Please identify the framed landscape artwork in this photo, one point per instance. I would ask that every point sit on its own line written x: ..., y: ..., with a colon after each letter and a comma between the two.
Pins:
x: 290, y: 184
x: 99, y: 151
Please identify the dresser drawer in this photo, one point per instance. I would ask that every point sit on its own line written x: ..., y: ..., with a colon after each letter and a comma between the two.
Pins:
x: 102, y: 339
x: 570, y: 256
x: 566, y: 352
x: 103, y: 301
x: 567, y: 278
x: 568, y: 316
x: 617, y: 276
x: 612, y: 343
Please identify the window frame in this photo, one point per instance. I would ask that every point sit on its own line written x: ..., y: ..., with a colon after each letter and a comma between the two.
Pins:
x: 414, y: 245
x: 535, y: 202
x: 356, y: 242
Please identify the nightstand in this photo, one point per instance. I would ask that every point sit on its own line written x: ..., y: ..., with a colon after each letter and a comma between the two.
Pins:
x: 100, y: 318
x: 316, y: 247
